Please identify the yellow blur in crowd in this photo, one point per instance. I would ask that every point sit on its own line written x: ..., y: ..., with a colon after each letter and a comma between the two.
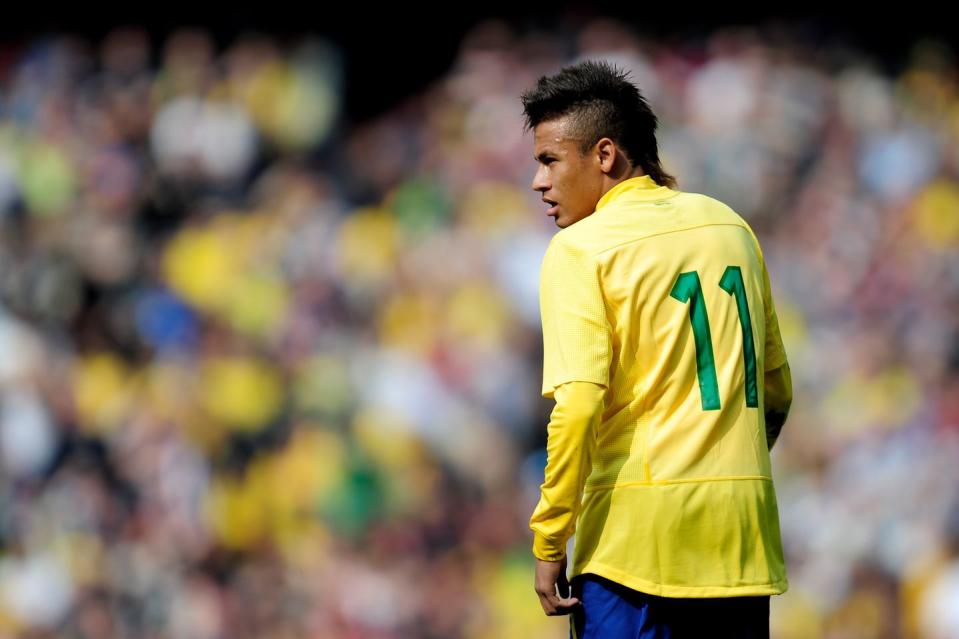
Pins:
x: 250, y: 394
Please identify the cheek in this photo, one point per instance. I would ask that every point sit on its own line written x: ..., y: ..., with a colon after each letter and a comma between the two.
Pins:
x: 569, y: 178
x: 576, y: 187
x: 586, y: 190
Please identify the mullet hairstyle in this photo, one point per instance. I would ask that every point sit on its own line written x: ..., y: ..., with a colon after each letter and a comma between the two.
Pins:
x: 601, y: 103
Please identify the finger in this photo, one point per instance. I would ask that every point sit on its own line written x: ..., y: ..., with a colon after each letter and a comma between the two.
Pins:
x: 549, y: 607
x: 563, y: 584
x: 553, y: 605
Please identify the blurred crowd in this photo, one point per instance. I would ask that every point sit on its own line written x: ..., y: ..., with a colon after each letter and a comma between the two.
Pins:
x: 269, y: 372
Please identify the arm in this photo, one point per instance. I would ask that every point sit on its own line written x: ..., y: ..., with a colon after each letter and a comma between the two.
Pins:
x: 777, y: 379
x: 569, y: 447
x: 577, y: 355
x: 779, y: 395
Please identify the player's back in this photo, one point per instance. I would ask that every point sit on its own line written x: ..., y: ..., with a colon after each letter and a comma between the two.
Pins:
x: 682, y: 278
x: 679, y: 500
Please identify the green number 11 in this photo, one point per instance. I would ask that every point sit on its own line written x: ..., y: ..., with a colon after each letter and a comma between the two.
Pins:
x: 688, y: 289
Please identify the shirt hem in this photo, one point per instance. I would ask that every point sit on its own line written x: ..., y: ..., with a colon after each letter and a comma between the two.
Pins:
x: 677, y: 591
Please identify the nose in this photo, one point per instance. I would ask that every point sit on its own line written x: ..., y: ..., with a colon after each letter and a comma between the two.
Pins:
x: 540, y: 181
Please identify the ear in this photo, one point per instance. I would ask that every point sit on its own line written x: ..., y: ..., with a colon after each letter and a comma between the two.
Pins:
x: 606, y: 154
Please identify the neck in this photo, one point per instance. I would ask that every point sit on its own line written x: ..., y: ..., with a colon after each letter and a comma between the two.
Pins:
x: 609, y: 181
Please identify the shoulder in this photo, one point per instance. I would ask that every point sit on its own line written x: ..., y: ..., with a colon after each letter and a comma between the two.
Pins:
x: 718, y: 207
x: 577, y: 243
x: 567, y: 259
x: 708, y: 202
x: 588, y: 236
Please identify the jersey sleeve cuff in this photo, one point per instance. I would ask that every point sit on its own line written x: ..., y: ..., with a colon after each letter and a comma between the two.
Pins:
x: 546, y: 549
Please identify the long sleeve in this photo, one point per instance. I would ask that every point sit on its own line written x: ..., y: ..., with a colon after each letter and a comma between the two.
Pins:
x: 779, y: 395
x: 577, y: 337
x: 571, y: 438
x: 777, y: 378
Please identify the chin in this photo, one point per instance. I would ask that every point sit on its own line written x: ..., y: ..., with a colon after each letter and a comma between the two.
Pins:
x: 563, y: 221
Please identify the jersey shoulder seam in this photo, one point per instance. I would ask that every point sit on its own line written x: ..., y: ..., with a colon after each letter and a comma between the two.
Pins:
x: 645, y: 237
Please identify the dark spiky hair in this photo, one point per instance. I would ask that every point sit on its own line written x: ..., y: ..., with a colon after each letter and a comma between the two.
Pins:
x: 602, y: 102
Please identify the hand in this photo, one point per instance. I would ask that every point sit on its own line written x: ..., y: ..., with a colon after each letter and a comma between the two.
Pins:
x: 549, y: 576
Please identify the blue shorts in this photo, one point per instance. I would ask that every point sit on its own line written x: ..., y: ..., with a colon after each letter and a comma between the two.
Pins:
x: 609, y: 610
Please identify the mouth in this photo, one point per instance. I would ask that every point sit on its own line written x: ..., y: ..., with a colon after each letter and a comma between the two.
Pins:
x: 553, y: 209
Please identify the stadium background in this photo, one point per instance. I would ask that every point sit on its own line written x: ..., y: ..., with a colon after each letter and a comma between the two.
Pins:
x: 269, y: 341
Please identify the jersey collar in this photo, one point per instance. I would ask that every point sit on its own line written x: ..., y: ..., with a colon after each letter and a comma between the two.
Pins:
x: 638, y: 188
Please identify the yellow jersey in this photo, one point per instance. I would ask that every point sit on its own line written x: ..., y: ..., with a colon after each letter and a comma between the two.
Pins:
x: 660, y: 301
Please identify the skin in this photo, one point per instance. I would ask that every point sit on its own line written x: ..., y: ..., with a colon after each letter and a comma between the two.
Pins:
x: 575, y: 181
x: 550, y: 576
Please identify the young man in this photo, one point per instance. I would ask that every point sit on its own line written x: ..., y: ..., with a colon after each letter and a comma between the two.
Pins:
x: 663, y: 353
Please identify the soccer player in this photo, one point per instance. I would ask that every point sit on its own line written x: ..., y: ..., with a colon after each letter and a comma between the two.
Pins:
x: 663, y: 354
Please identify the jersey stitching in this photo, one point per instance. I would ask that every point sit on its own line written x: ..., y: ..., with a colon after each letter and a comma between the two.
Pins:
x: 659, y: 482
x: 644, y: 198
x: 688, y: 228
